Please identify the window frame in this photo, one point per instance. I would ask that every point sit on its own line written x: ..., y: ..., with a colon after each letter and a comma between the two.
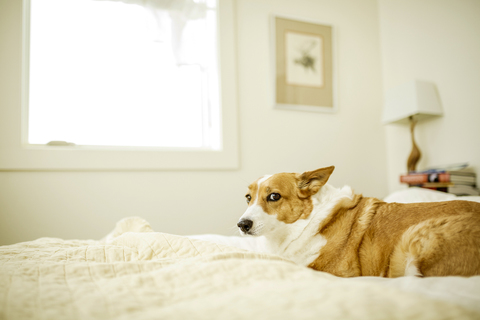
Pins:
x: 16, y: 154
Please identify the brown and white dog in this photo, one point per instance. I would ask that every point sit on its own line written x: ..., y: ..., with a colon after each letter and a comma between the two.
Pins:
x: 336, y: 231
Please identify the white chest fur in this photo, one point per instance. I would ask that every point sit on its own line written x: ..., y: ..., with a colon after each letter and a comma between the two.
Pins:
x: 300, y: 241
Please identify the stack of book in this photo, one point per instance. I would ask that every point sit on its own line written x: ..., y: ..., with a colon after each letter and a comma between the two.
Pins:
x: 460, y: 180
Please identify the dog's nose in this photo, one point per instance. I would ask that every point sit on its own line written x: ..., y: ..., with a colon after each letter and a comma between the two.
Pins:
x: 245, y: 225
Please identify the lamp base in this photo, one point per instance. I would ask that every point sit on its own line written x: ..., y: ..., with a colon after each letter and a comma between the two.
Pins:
x: 415, y: 154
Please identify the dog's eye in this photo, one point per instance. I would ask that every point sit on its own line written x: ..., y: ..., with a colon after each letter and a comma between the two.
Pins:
x: 248, y: 198
x: 274, y: 197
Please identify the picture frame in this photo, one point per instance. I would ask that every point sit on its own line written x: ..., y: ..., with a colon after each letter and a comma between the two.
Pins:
x: 303, y: 65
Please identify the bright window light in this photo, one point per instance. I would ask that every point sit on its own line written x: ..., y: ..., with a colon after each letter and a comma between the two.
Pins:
x: 101, y: 73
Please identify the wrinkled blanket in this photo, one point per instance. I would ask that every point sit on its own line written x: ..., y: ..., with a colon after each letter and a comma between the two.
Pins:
x: 135, y: 273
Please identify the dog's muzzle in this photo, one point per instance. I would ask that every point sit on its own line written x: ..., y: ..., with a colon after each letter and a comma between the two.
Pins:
x: 245, y: 225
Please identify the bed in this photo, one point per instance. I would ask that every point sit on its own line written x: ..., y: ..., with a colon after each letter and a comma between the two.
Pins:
x: 137, y: 273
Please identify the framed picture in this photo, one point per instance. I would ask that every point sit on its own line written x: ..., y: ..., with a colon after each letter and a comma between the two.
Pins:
x: 303, y: 65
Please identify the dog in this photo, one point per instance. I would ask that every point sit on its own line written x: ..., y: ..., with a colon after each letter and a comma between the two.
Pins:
x: 334, y: 230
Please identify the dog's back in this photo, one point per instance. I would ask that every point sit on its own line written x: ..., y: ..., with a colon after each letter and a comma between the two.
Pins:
x: 427, y: 239
x: 423, y: 239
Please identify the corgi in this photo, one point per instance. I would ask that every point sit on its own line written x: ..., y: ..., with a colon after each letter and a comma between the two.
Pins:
x: 334, y: 230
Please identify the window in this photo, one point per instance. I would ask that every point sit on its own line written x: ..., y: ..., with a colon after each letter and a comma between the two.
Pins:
x: 109, y: 73
x: 162, y: 110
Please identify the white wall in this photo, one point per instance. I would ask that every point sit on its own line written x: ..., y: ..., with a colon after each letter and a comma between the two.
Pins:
x: 87, y: 204
x: 436, y: 41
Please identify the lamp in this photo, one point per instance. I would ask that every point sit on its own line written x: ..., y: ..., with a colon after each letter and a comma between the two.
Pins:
x: 411, y: 102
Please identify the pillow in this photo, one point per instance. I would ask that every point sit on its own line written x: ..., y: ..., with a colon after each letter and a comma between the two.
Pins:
x: 416, y: 194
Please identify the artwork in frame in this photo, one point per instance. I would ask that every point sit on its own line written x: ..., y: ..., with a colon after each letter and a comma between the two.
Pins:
x: 304, y: 73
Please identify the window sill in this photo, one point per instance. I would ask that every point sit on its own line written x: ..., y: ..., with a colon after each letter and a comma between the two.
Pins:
x: 78, y: 158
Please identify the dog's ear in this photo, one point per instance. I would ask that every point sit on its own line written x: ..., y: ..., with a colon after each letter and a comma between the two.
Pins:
x: 311, y: 181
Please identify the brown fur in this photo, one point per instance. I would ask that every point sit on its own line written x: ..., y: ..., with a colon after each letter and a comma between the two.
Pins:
x: 290, y: 207
x: 368, y: 237
x: 296, y: 191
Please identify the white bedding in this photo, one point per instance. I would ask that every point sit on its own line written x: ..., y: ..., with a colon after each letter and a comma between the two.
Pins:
x: 151, y: 275
x: 416, y: 194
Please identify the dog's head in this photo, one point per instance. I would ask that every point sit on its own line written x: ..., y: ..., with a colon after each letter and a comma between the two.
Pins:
x: 281, y: 199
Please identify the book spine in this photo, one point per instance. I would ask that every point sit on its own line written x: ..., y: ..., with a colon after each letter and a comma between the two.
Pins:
x: 424, y: 178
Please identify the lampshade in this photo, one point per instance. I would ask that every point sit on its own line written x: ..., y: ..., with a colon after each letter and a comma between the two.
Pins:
x: 415, y: 98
